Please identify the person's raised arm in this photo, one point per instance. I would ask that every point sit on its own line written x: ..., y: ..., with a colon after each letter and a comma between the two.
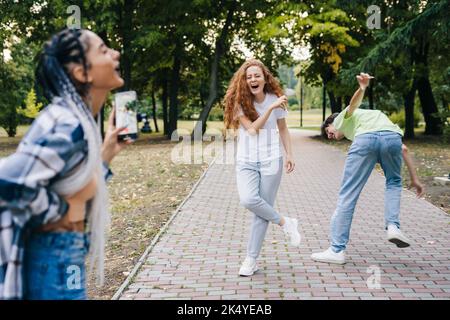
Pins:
x: 253, y: 127
x: 111, y: 145
x: 358, y: 96
x: 415, y: 183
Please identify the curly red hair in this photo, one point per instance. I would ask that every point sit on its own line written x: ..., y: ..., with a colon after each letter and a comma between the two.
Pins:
x: 238, y: 93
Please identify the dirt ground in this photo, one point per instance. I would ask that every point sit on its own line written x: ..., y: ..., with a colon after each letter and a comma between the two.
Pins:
x: 145, y: 190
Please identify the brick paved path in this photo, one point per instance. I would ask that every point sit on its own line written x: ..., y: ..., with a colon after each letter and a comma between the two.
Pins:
x: 199, y: 254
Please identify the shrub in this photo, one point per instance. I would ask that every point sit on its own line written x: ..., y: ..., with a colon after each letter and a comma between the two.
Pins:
x: 292, y: 100
x: 216, y: 113
x: 294, y: 107
x: 445, y: 120
x: 399, y: 118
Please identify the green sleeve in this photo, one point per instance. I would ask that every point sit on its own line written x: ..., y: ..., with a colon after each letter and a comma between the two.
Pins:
x: 339, y: 120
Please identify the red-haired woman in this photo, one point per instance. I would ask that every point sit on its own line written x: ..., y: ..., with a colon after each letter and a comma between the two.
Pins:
x: 255, y: 104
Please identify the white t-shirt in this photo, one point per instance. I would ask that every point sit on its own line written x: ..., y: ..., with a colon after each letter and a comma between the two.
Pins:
x: 265, y: 145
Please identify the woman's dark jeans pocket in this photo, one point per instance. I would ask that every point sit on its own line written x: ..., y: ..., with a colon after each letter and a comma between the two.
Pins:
x: 54, y: 267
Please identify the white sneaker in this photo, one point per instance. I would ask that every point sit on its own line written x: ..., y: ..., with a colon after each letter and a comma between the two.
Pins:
x: 249, y: 267
x: 329, y: 256
x: 394, y: 235
x: 290, y: 229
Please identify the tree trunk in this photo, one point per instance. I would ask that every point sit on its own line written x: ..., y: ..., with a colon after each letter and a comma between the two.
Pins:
x: 339, y: 104
x: 347, y: 100
x: 324, y: 101
x: 126, y: 34
x: 336, y: 106
x: 214, y: 76
x: 433, y: 125
x: 202, y: 101
x: 409, y: 111
x: 332, y: 101
x: 370, y: 95
x: 154, y: 110
x: 174, y: 86
x: 164, y: 98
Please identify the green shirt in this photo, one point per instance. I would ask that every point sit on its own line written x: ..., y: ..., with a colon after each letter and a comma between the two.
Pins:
x: 363, y: 121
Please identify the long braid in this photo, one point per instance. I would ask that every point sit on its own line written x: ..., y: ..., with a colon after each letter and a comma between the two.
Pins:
x: 53, y: 77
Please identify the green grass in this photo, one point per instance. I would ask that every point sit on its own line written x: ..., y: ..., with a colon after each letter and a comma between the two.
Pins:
x: 311, y: 121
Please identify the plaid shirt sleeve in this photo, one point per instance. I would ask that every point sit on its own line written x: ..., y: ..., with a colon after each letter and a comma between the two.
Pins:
x: 54, y: 145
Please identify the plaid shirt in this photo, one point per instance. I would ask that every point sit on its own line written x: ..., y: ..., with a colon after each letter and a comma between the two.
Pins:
x: 53, y: 146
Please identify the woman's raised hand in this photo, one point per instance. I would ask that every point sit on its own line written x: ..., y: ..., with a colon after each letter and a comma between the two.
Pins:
x: 364, y: 80
x: 111, y: 145
x: 281, y: 102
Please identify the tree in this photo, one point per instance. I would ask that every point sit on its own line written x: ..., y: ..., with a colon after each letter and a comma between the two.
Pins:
x: 16, y: 78
x: 32, y: 108
x: 219, y: 50
x: 412, y: 38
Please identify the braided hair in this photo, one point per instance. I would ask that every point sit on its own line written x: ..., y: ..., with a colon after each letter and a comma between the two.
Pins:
x: 53, y: 75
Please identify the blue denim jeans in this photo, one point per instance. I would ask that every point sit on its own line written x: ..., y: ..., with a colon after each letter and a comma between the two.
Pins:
x: 54, y: 266
x: 385, y: 148
x: 257, y: 184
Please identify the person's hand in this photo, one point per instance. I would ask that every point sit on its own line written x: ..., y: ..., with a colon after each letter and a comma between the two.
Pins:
x: 111, y: 145
x: 364, y: 80
x: 420, y: 190
x: 281, y: 102
x: 289, y: 164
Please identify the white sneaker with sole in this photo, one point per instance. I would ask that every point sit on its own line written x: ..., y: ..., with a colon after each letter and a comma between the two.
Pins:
x: 394, y: 235
x: 290, y: 229
x: 329, y: 256
x: 248, y: 268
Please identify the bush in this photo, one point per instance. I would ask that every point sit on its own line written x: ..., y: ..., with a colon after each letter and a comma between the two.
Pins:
x: 294, y: 107
x: 187, y: 113
x: 445, y: 119
x: 292, y: 100
x: 216, y: 113
x: 399, y: 118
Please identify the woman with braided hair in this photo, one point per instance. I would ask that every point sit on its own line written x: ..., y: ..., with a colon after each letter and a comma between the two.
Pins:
x: 53, y: 196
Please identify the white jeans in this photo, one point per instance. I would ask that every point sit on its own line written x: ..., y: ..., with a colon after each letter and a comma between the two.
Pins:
x: 257, y: 184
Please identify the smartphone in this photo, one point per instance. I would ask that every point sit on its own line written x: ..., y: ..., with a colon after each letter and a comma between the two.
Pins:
x: 126, y: 114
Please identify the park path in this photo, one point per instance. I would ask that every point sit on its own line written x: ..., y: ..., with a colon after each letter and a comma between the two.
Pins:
x: 199, y: 253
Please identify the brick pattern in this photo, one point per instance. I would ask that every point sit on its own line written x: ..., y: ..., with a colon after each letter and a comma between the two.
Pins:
x: 199, y: 255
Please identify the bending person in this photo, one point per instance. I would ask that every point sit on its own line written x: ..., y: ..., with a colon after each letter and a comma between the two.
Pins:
x: 375, y: 139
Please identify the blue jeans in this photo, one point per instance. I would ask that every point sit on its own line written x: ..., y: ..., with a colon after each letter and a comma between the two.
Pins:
x: 384, y: 147
x: 257, y: 184
x: 54, y: 266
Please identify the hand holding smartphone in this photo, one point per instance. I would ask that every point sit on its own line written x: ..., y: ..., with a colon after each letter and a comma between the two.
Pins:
x: 126, y: 115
